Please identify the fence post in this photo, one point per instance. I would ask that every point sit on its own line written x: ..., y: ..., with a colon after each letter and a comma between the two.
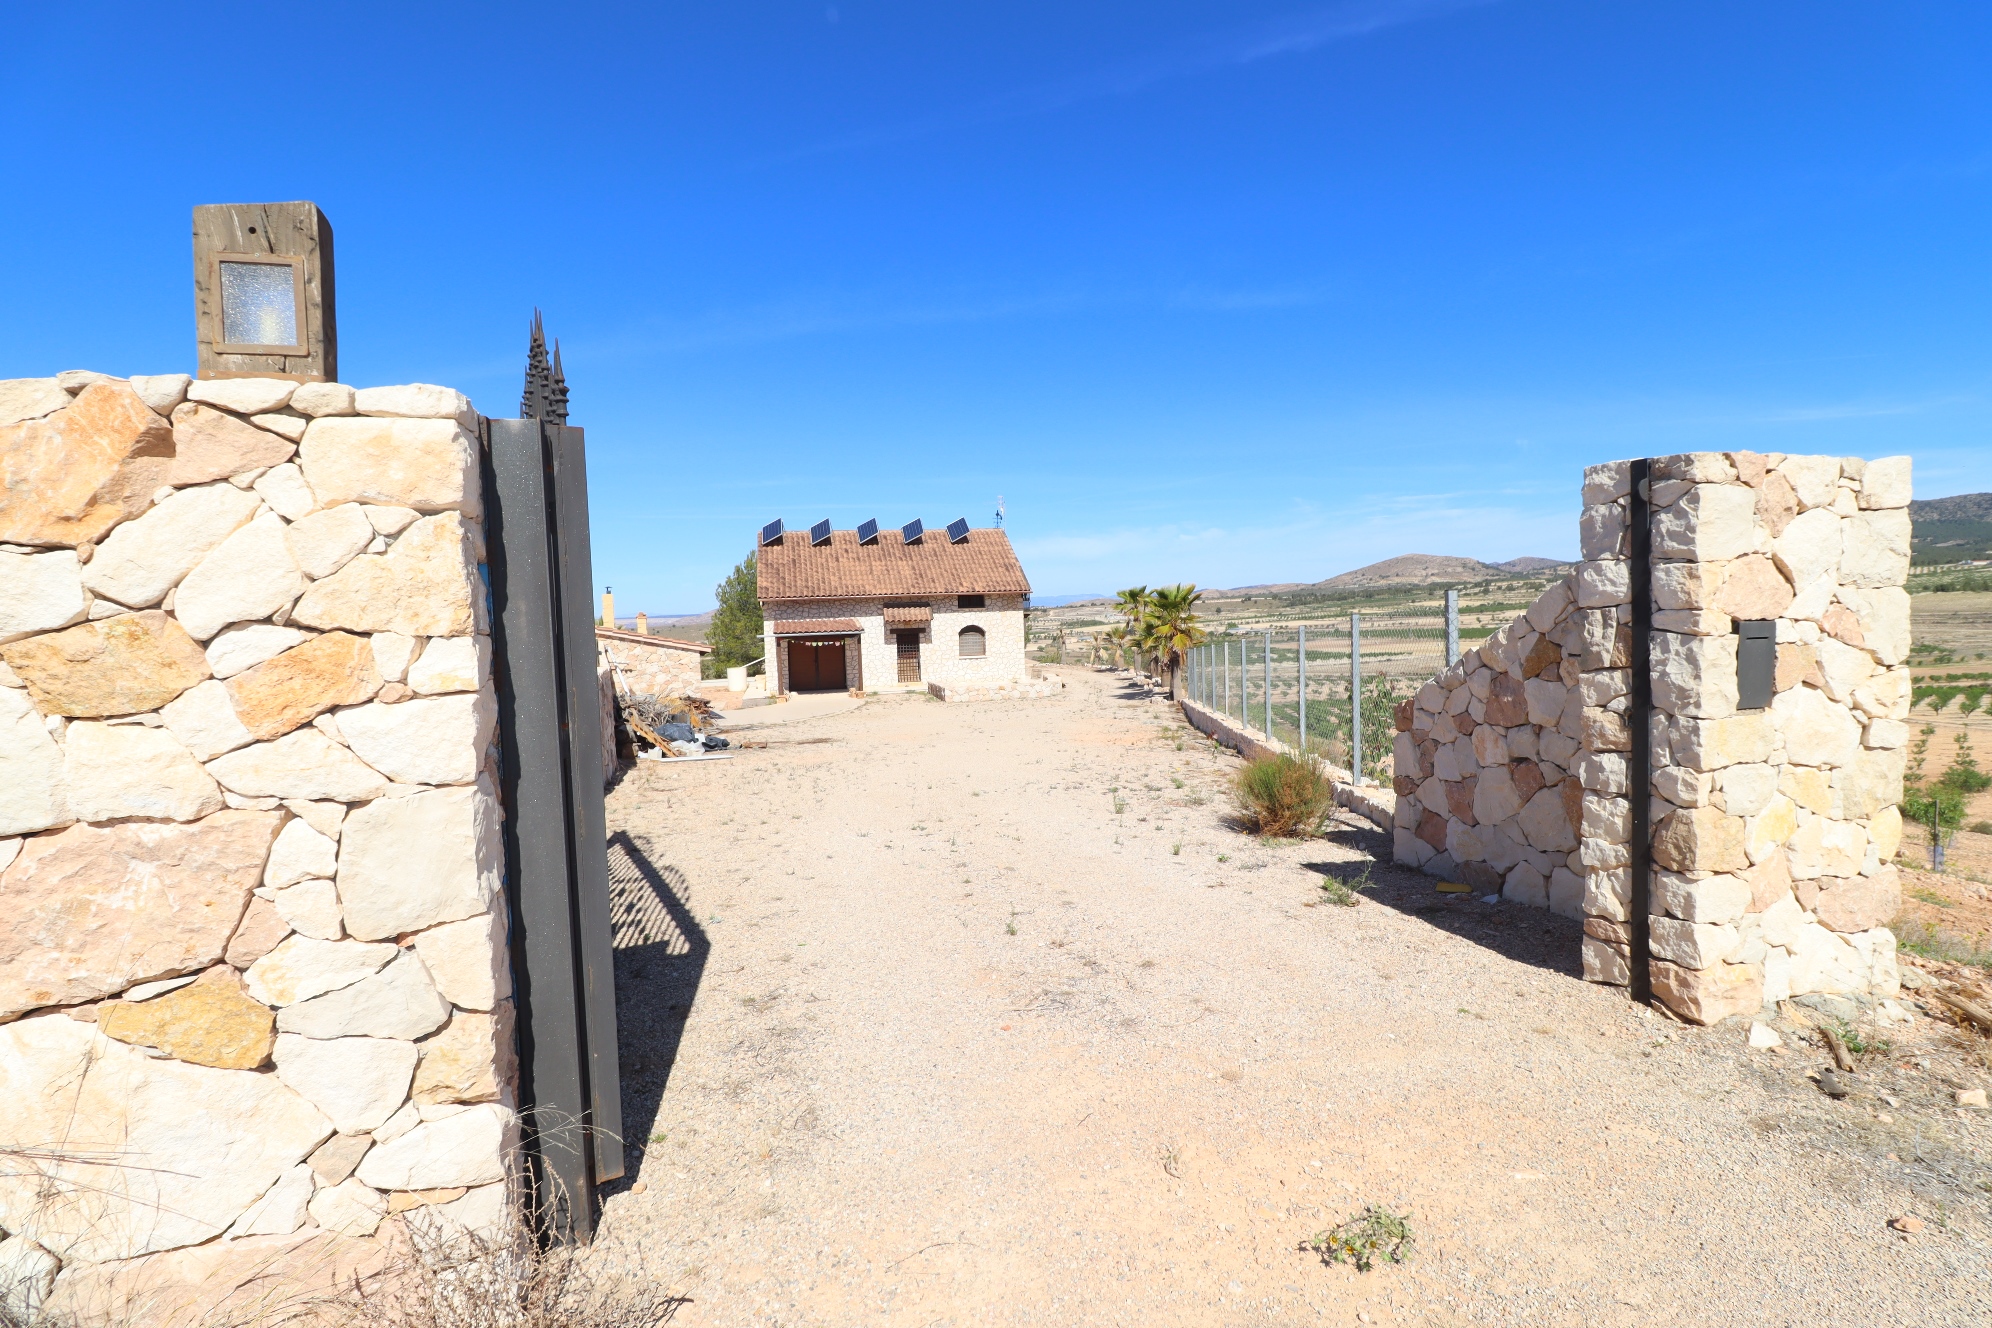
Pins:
x: 1303, y: 688
x: 1356, y: 699
x: 1452, y: 628
x: 1244, y: 681
x: 1269, y: 684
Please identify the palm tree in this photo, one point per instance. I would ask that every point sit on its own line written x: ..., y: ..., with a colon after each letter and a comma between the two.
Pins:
x: 1171, y: 626
x: 1133, y: 606
x: 1116, y: 639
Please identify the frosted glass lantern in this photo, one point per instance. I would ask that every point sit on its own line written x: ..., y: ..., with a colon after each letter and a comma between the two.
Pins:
x: 262, y: 304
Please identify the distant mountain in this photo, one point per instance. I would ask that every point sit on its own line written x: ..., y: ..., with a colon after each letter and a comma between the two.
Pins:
x: 1958, y: 507
x: 1060, y: 601
x: 1951, y: 530
x: 1424, y: 569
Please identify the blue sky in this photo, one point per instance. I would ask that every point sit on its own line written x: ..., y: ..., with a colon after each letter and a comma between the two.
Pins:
x: 1231, y: 293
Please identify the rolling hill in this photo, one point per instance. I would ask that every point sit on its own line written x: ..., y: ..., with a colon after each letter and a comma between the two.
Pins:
x: 1951, y: 530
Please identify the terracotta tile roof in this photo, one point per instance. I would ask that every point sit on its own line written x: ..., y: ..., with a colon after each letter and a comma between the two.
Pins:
x: 816, y: 626
x: 983, y: 564
x: 638, y: 638
x: 909, y: 617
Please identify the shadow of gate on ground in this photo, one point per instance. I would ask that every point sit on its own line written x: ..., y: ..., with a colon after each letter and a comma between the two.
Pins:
x: 661, y: 955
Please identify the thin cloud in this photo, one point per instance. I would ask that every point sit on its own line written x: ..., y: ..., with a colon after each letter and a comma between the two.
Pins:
x: 1293, y: 35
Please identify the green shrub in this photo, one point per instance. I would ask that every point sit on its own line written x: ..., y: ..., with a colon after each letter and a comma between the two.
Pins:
x: 1375, y: 1233
x: 1285, y: 796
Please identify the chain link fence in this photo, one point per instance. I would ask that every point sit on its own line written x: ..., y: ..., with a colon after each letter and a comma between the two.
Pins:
x: 1330, y: 687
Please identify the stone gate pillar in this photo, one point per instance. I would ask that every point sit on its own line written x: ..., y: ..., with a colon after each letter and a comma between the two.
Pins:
x: 1772, y: 829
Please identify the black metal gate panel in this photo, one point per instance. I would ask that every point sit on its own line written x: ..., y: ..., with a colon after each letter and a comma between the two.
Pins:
x: 556, y: 835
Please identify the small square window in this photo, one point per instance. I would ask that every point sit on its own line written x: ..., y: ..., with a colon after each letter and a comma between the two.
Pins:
x: 970, y: 602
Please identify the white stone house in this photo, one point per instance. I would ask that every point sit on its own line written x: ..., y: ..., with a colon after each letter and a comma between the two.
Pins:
x: 884, y: 615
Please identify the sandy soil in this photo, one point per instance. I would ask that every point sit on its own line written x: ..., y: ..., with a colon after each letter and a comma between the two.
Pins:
x: 984, y: 1014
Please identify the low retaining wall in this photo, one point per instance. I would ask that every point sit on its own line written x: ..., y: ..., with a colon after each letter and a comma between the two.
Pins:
x: 254, y: 976
x: 1034, y: 689
x: 1372, y: 804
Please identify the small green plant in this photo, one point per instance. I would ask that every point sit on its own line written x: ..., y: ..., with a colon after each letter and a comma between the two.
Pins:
x: 1375, y: 1233
x: 1010, y: 928
x: 1336, y: 890
x: 1224, y: 857
x: 1980, y: 827
x: 1176, y: 849
x: 1286, y: 797
x: 1861, y: 1044
x: 1930, y: 896
x: 1177, y: 780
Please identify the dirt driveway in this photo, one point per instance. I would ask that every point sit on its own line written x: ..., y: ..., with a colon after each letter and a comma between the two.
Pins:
x: 982, y: 1014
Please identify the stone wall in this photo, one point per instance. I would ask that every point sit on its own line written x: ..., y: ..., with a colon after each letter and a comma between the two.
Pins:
x: 253, y: 965
x: 1484, y: 759
x: 651, y: 665
x: 1772, y: 829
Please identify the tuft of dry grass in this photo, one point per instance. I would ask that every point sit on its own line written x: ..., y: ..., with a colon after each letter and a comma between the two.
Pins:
x: 430, y: 1272
x: 444, y: 1276
x: 1286, y: 797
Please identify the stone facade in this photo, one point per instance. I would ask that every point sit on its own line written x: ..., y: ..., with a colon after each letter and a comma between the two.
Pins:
x: 874, y: 665
x: 252, y: 934
x: 1772, y: 830
x: 652, y: 665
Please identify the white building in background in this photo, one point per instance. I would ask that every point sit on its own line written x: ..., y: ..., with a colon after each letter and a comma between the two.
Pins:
x: 874, y: 611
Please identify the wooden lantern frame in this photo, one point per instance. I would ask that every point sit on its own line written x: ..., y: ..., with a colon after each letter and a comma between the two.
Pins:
x: 297, y: 235
x: 217, y: 315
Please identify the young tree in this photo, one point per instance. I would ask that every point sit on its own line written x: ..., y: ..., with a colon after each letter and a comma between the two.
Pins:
x: 735, y: 634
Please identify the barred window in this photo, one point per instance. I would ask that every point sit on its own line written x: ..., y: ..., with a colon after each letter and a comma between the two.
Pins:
x: 974, y: 643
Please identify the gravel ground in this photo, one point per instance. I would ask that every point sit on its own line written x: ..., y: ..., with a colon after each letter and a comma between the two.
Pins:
x: 985, y: 1014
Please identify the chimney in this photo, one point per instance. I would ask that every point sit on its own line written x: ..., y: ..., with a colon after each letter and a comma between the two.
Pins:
x: 643, y: 624
x: 608, y: 606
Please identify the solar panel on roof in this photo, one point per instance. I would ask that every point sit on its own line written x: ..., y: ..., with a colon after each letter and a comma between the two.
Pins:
x: 912, y: 531
x: 820, y: 533
x: 772, y: 532
x: 958, y: 530
x: 868, y: 532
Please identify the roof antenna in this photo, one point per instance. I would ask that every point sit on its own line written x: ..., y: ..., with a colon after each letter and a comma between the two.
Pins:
x: 999, y: 511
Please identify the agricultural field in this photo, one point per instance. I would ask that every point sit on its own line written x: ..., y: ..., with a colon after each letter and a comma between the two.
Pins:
x: 1951, y: 664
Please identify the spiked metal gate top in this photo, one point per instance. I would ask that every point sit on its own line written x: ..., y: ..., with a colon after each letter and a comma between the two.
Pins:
x: 555, y: 830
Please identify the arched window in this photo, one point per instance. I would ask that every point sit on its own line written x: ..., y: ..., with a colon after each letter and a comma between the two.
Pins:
x: 974, y: 643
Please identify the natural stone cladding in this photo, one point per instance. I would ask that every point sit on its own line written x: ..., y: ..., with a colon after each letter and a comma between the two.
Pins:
x: 252, y: 938
x: 1772, y: 830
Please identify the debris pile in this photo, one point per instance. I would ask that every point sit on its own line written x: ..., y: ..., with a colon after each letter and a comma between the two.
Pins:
x: 670, y: 726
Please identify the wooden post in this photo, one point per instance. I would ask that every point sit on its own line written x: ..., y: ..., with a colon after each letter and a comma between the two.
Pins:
x: 264, y: 236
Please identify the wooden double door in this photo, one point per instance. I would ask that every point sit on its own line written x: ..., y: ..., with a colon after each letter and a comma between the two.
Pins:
x: 817, y: 666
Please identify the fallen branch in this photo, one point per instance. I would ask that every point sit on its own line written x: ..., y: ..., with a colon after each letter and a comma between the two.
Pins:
x: 1971, y: 1010
x: 1838, y: 1048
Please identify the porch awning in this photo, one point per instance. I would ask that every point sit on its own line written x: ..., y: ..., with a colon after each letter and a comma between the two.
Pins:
x: 908, y: 615
x: 818, y: 627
